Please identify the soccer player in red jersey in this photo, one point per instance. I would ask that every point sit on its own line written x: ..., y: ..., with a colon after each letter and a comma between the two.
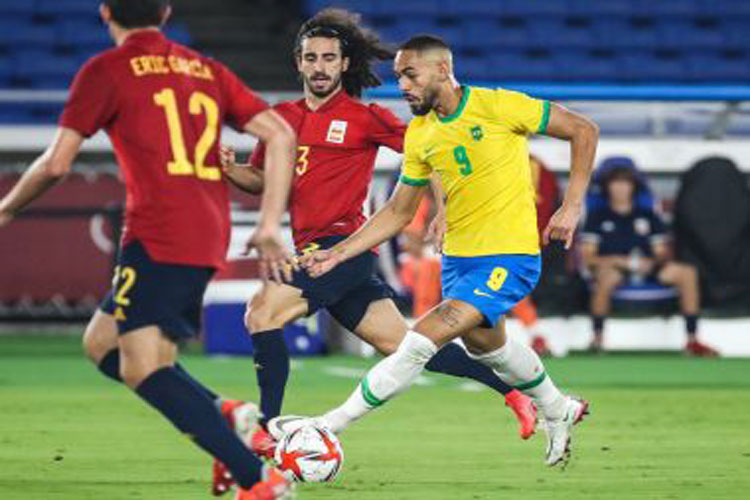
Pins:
x: 162, y: 106
x: 338, y: 140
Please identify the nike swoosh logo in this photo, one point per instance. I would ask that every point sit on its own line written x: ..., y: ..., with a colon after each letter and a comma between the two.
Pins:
x: 477, y: 291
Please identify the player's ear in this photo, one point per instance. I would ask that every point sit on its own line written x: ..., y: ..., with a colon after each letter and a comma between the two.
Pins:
x: 105, y: 13
x: 165, y: 15
x: 344, y: 64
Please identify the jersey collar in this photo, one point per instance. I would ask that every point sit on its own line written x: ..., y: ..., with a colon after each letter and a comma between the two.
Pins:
x: 145, y: 37
x: 335, y: 99
x: 461, y: 105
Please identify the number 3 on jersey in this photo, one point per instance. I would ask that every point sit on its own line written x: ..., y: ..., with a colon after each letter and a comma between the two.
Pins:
x: 302, y: 159
x: 199, y: 103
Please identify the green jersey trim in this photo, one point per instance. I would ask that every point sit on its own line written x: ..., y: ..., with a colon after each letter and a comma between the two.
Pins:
x: 460, y: 108
x: 414, y: 182
x: 545, y: 119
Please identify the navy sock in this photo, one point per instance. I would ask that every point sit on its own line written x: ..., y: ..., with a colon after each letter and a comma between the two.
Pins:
x: 110, y: 366
x: 194, y: 414
x: 691, y: 324
x: 272, y: 369
x: 205, y: 390
x: 597, y: 322
x: 451, y: 359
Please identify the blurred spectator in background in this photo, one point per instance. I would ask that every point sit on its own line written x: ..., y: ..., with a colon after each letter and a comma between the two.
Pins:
x: 623, y: 241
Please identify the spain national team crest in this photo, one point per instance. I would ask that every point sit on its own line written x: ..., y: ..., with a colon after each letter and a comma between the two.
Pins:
x: 336, y: 132
x: 477, y: 133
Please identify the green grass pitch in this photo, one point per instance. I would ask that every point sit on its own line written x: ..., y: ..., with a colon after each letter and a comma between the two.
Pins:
x: 662, y: 427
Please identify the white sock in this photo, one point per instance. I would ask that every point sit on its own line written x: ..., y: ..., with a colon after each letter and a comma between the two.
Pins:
x: 518, y: 365
x: 385, y: 380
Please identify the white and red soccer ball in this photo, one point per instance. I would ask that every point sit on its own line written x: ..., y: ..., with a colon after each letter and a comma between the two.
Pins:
x: 311, y: 453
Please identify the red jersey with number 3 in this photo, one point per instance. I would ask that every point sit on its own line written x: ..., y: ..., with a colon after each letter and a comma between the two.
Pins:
x: 337, y: 147
x: 163, y: 106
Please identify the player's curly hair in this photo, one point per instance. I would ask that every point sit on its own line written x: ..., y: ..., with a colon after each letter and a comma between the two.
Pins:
x: 361, y: 45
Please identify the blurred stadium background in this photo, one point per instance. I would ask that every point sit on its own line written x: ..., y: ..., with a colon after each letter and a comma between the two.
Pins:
x: 667, y: 81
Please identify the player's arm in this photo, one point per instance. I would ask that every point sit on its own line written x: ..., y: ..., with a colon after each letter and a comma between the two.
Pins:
x: 592, y: 259
x: 387, y: 222
x: 46, y: 171
x: 280, y: 144
x: 583, y: 135
x: 436, y: 229
x: 245, y: 176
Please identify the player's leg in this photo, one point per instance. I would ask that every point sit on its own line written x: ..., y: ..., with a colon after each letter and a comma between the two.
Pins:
x: 268, y: 311
x: 684, y: 277
x: 397, y: 372
x: 520, y: 365
x: 147, y: 367
x: 100, y: 343
x: 606, y: 279
x: 382, y: 326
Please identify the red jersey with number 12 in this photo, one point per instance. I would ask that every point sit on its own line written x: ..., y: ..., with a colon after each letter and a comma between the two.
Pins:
x: 337, y: 147
x: 163, y: 106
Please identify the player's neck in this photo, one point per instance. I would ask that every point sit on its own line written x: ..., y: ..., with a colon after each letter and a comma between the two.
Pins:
x: 622, y: 207
x: 449, y: 99
x: 314, y: 102
x: 121, y: 34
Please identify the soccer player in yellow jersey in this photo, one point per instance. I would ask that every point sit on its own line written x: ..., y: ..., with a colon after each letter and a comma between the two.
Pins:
x: 476, y: 140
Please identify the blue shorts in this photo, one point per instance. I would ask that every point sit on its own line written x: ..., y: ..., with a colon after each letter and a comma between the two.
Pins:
x: 493, y: 284
x: 146, y: 293
x: 347, y: 290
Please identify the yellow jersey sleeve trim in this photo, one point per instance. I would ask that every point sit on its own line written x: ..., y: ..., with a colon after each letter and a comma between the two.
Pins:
x: 545, y: 118
x: 414, y: 182
x: 461, y: 105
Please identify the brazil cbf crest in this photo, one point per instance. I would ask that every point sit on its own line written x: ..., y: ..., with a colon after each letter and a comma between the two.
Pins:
x: 336, y: 131
x: 477, y: 133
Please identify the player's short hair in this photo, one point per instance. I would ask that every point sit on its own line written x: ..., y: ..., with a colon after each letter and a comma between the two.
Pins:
x: 422, y: 43
x: 137, y: 13
x: 361, y: 45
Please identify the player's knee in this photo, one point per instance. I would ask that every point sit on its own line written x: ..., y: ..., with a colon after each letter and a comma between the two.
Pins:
x: 385, y: 346
x: 258, y: 317
x: 134, y: 375
x: 607, y: 279
x: 93, y: 345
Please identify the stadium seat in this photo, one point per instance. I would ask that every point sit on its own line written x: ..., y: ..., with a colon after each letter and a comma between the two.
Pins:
x: 68, y: 8
x: 665, y: 8
x: 533, y: 8
x: 471, y: 8
x: 598, y: 9
x: 690, y: 35
x: 717, y: 67
x: 28, y: 35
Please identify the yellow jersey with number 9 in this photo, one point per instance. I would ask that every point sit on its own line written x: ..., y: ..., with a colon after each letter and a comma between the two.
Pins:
x: 481, y: 153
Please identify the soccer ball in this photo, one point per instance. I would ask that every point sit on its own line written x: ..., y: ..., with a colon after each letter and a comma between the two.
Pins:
x: 311, y: 453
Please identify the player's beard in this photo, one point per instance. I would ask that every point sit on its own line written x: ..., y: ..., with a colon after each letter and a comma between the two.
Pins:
x: 425, y: 105
x: 320, y: 94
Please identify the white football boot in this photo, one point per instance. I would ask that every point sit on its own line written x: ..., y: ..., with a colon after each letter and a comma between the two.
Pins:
x: 559, y: 431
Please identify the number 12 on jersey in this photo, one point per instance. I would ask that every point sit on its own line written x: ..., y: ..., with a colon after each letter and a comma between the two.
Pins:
x: 199, y: 103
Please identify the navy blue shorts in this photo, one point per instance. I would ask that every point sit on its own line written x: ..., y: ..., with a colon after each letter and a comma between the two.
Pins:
x: 346, y: 291
x: 146, y: 293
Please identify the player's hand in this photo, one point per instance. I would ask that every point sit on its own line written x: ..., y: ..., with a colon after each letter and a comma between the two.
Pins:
x: 5, y: 218
x: 227, y: 157
x: 319, y: 262
x: 562, y: 225
x: 275, y: 262
x: 436, y: 232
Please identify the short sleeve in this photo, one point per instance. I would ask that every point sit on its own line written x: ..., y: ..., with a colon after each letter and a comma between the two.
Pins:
x: 258, y: 156
x: 415, y: 171
x: 92, y: 102
x: 242, y: 104
x: 524, y: 114
x: 386, y: 128
x: 591, y: 232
